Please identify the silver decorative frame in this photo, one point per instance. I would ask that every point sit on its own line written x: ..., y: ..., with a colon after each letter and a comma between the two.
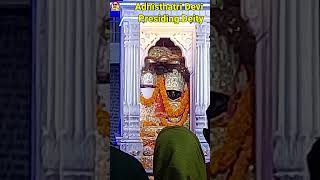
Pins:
x: 137, y: 39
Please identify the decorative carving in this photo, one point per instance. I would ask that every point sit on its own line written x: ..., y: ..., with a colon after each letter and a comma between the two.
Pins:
x: 174, y: 81
x: 184, y: 39
x: 157, y: 52
x: 50, y: 152
x: 147, y: 39
x: 289, y: 154
x: 200, y: 110
x: 148, y: 79
x: 80, y: 154
x: 202, y: 29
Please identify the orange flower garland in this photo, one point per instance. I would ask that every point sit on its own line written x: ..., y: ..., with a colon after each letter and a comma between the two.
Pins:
x: 166, y: 101
x: 183, y: 109
x: 149, y: 123
x: 151, y: 100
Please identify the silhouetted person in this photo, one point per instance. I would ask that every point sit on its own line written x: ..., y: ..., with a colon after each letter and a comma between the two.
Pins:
x: 313, y: 159
x: 124, y: 166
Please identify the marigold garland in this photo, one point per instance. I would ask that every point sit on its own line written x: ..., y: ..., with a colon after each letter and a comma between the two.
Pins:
x: 184, y: 117
x: 183, y: 109
x: 149, y: 123
x: 149, y: 102
x: 166, y: 101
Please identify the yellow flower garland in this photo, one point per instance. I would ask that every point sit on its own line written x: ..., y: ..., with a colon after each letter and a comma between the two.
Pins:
x: 183, y: 109
x: 149, y: 123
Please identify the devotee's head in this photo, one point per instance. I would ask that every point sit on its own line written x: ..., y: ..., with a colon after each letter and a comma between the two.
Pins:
x: 313, y: 160
x: 218, y: 105
x: 178, y: 155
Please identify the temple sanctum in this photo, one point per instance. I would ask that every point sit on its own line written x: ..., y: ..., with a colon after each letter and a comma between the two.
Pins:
x: 165, y: 71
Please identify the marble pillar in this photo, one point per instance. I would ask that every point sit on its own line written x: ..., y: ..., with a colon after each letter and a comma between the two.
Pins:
x: 202, y: 82
x: 258, y: 15
x: 130, y: 140
x: 295, y: 47
x: 67, y: 34
x: 287, y: 80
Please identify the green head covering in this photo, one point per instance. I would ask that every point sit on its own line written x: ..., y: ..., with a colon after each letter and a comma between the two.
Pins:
x: 178, y: 156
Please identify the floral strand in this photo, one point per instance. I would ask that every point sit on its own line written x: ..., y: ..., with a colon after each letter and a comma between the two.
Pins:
x: 166, y: 101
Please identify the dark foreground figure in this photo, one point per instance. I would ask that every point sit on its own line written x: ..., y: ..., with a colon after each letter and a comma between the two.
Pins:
x: 313, y: 159
x: 125, y: 167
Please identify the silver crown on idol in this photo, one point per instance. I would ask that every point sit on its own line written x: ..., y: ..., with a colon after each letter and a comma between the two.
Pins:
x: 174, y: 81
x: 148, y: 79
